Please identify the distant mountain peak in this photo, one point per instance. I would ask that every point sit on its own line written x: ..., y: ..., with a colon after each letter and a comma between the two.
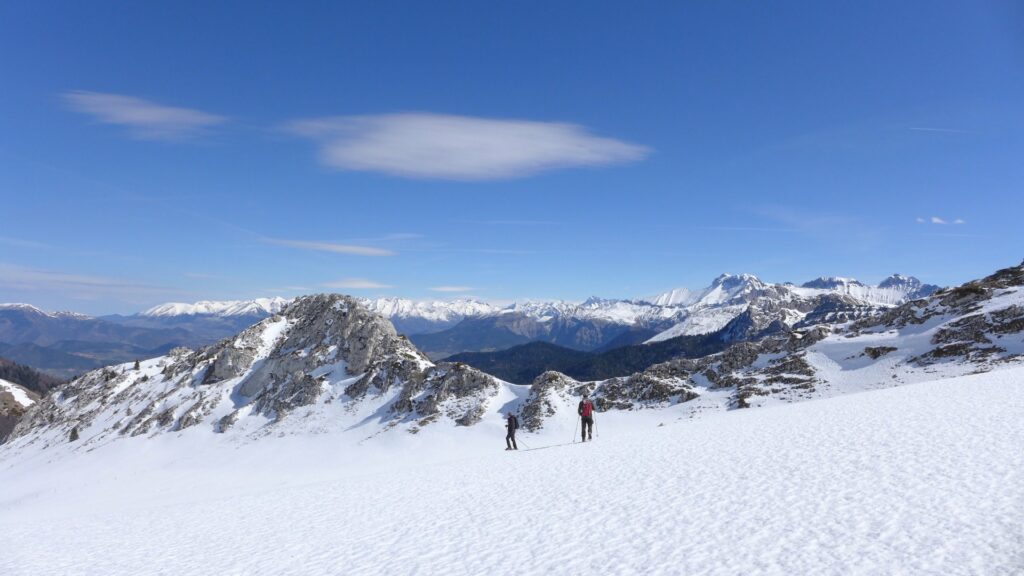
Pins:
x: 913, y: 287
x: 899, y: 280
x: 22, y: 307
x: 731, y: 280
x: 832, y: 282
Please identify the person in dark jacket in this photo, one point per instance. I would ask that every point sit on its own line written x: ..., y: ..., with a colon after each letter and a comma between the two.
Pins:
x: 512, y: 425
x: 586, y: 412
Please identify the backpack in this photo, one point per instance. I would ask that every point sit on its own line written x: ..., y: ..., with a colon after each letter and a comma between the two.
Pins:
x: 588, y: 408
x: 514, y: 422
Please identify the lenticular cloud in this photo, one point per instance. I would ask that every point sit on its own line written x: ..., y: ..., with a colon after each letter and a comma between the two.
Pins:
x: 435, y: 146
x: 145, y: 120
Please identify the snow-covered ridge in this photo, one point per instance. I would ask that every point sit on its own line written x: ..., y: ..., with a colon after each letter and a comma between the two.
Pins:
x: 433, y: 310
x: 725, y: 294
x: 28, y: 308
x: 256, y: 307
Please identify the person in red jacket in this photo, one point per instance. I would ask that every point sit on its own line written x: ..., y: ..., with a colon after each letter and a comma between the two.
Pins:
x: 586, y: 412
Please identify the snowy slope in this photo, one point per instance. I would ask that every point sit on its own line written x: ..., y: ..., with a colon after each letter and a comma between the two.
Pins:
x: 674, y: 297
x: 23, y: 397
x: 919, y: 479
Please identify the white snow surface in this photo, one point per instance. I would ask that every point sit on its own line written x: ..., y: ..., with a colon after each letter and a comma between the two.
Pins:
x: 21, y: 395
x: 926, y: 478
x: 674, y: 297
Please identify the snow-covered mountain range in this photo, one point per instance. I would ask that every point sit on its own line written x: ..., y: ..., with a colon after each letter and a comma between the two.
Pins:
x: 730, y: 295
x: 599, y: 324
x: 65, y: 343
x: 726, y: 291
x: 257, y: 307
x: 328, y: 363
x: 417, y: 316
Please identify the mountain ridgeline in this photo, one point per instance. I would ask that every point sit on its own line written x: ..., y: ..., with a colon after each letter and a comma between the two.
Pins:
x: 66, y: 344
x: 330, y: 364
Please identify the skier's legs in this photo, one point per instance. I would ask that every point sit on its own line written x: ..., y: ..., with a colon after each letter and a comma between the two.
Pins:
x: 583, y: 429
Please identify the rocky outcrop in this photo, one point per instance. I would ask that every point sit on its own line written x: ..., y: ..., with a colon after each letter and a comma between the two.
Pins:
x: 319, y: 350
x: 455, y: 391
x: 548, y: 391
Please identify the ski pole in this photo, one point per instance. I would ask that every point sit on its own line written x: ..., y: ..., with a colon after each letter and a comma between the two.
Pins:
x: 574, y: 429
x: 525, y: 444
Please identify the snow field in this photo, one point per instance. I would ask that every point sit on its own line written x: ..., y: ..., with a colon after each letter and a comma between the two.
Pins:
x: 919, y: 479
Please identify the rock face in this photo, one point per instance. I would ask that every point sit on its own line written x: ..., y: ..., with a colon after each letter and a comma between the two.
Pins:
x: 321, y: 353
x: 549, y: 392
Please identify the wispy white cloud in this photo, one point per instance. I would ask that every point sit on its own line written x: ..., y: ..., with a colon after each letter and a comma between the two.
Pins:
x: 334, y: 247
x: 22, y: 243
x: 939, y: 220
x: 510, y: 222
x: 288, y: 290
x: 445, y: 147
x: 355, y: 284
x: 451, y: 288
x: 931, y: 129
x: 144, y: 119
x: 743, y: 229
x: 80, y: 286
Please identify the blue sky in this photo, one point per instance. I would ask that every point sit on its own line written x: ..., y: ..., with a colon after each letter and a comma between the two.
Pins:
x: 187, y: 151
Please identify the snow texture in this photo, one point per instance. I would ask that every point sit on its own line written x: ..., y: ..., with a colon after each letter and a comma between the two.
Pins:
x: 918, y: 479
x: 21, y: 395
